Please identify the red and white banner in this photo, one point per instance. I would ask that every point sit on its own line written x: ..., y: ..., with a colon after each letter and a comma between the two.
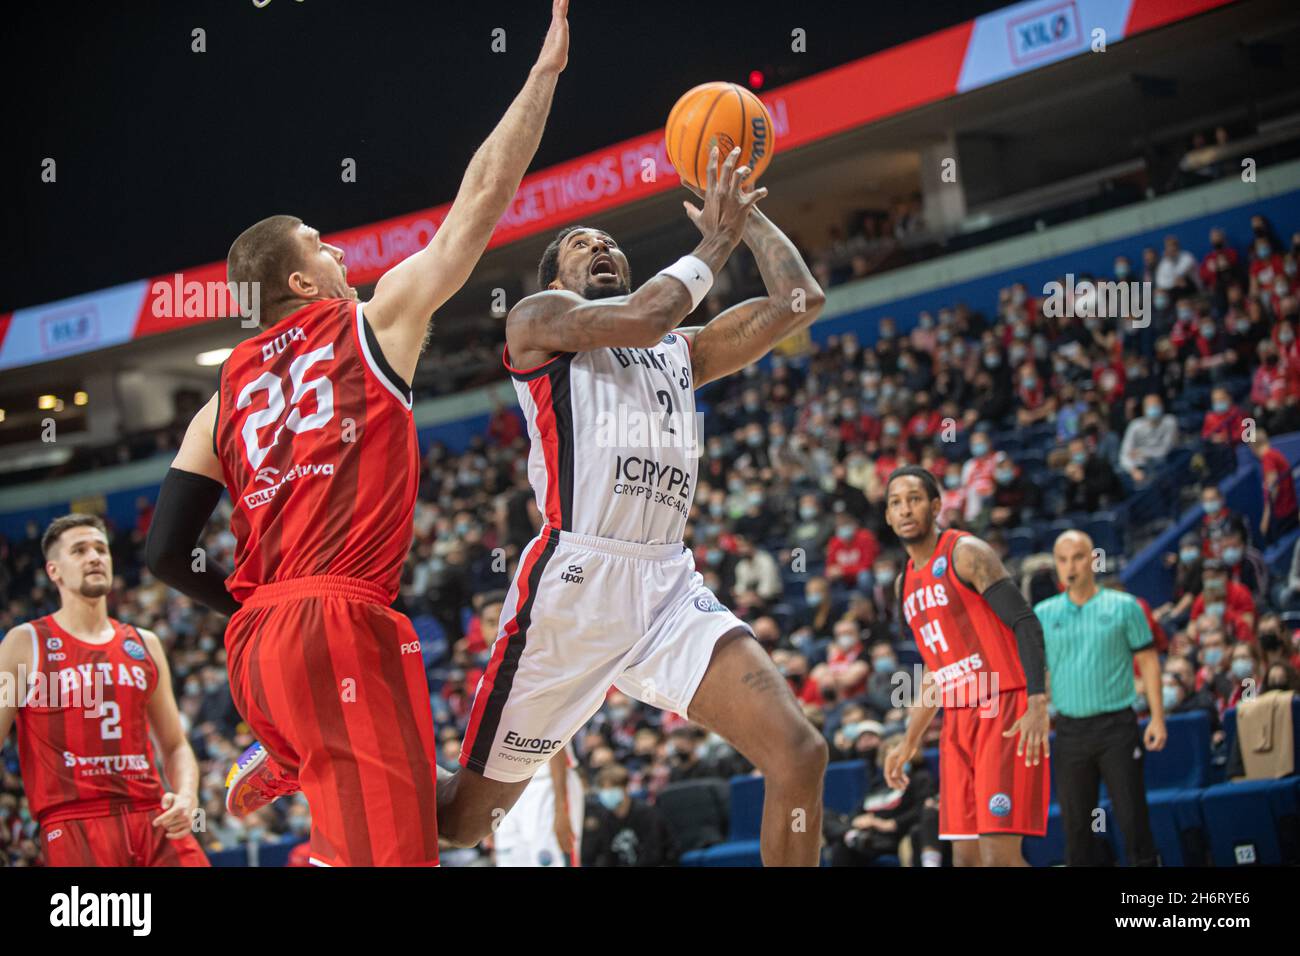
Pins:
x: 993, y: 47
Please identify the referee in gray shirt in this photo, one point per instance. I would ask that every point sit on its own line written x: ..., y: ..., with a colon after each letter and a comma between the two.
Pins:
x: 1093, y: 635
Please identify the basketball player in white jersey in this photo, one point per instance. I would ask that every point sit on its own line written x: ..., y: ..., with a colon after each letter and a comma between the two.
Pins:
x: 607, y: 593
x: 544, y: 827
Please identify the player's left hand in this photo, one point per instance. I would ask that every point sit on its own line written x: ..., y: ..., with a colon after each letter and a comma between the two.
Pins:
x: 1155, y: 735
x: 1032, y: 728
x: 177, y: 815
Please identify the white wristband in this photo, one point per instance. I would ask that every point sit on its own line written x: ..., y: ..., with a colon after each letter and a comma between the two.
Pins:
x: 692, y: 272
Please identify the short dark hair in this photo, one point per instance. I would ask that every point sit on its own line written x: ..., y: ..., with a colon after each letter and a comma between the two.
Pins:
x: 549, y: 267
x: 67, y: 523
x: 915, y: 471
x: 264, y: 253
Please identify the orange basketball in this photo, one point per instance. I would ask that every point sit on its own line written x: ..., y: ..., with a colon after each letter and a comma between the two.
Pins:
x: 723, y: 115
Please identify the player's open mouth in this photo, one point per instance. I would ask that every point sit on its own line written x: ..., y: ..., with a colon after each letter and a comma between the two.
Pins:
x: 603, y: 265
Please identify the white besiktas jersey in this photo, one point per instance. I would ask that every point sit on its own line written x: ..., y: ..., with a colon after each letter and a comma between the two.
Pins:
x: 615, y: 440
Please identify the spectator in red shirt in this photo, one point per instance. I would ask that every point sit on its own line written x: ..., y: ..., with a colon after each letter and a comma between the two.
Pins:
x: 1280, y: 511
x: 1230, y: 601
x: 1223, y: 422
x: 845, y: 673
x: 1220, y: 267
x: 852, y: 550
x: 925, y: 421
x: 794, y: 668
x: 1265, y: 266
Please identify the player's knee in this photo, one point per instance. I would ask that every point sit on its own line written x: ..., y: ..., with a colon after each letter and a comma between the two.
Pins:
x: 802, y: 757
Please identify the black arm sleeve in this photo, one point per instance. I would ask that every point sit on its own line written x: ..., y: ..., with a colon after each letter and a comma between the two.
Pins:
x: 1014, y: 611
x: 185, y: 503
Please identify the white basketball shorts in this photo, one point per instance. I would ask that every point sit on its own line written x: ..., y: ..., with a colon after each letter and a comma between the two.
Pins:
x: 581, y: 614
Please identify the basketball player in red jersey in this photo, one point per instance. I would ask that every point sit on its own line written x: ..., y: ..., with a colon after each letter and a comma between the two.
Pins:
x: 607, y: 593
x: 986, y: 666
x: 89, y: 690
x: 311, y: 432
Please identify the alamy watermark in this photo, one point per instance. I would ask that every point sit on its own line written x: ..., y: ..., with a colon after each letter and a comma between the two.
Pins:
x: 1105, y: 299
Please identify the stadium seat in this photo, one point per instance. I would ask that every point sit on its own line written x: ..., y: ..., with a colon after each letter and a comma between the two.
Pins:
x: 1178, y: 828
x: 696, y: 812
x: 1020, y: 542
x: 846, y: 786
x: 1106, y: 528
x: 735, y: 853
x: 746, y: 807
x: 1185, y: 761
x: 1253, y: 822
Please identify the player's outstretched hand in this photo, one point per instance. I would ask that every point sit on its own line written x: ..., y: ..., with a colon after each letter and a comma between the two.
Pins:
x: 895, y: 776
x: 178, y: 812
x: 555, y: 48
x: 726, y: 201
x: 1033, y: 729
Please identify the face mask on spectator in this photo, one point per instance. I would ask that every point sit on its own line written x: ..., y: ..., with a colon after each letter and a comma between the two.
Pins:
x: 1231, y: 555
x: 884, y: 576
x: 814, y: 599
x: 844, y: 532
x: 1261, y: 249
x: 1121, y: 269
x: 1004, y: 476
x: 1162, y: 300
x: 1207, y: 330
x: 886, y: 665
x: 1286, y: 336
x: 716, y: 509
x: 1029, y: 382
x: 846, y: 642
x: 611, y: 798
x: 992, y: 361
x: 1188, y: 555
x: 714, y: 557
x: 754, y: 439
x: 1171, y: 696
x: 979, y: 449
x: 892, y: 428
x: 951, y: 481
x: 1079, y: 457
x: 1212, y: 506
x: 1221, y: 405
x: 1212, y: 656
x: 1242, y: 668
x: 944, y: 336
x: 1281, y: 287
x: 755, y: 497
x: 1153, y: 411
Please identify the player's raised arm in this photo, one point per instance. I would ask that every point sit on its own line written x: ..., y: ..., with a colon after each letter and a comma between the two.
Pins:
x: 15, y: 665
x: 978, y: 565
x: 188, y: 496
x: 746, y: 332
x: 561, y: 320
x: 179, y: 765
x: 408, y: 294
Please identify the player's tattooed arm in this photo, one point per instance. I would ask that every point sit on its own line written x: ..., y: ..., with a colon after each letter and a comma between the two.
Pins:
x: 408, y: 294
x: 746, y: 332
x: 15, y: 664
x: 977, y: 564
x: 181, y: 768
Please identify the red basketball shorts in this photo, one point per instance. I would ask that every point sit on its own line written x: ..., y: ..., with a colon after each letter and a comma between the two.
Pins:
x: 121, y: 839
x: 332, y: 682
x: 984, y: 788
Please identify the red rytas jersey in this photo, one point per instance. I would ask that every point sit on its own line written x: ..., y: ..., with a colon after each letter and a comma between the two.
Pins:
x: 83, y: 729
x: 318, y: 447
x: 966, y: 647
